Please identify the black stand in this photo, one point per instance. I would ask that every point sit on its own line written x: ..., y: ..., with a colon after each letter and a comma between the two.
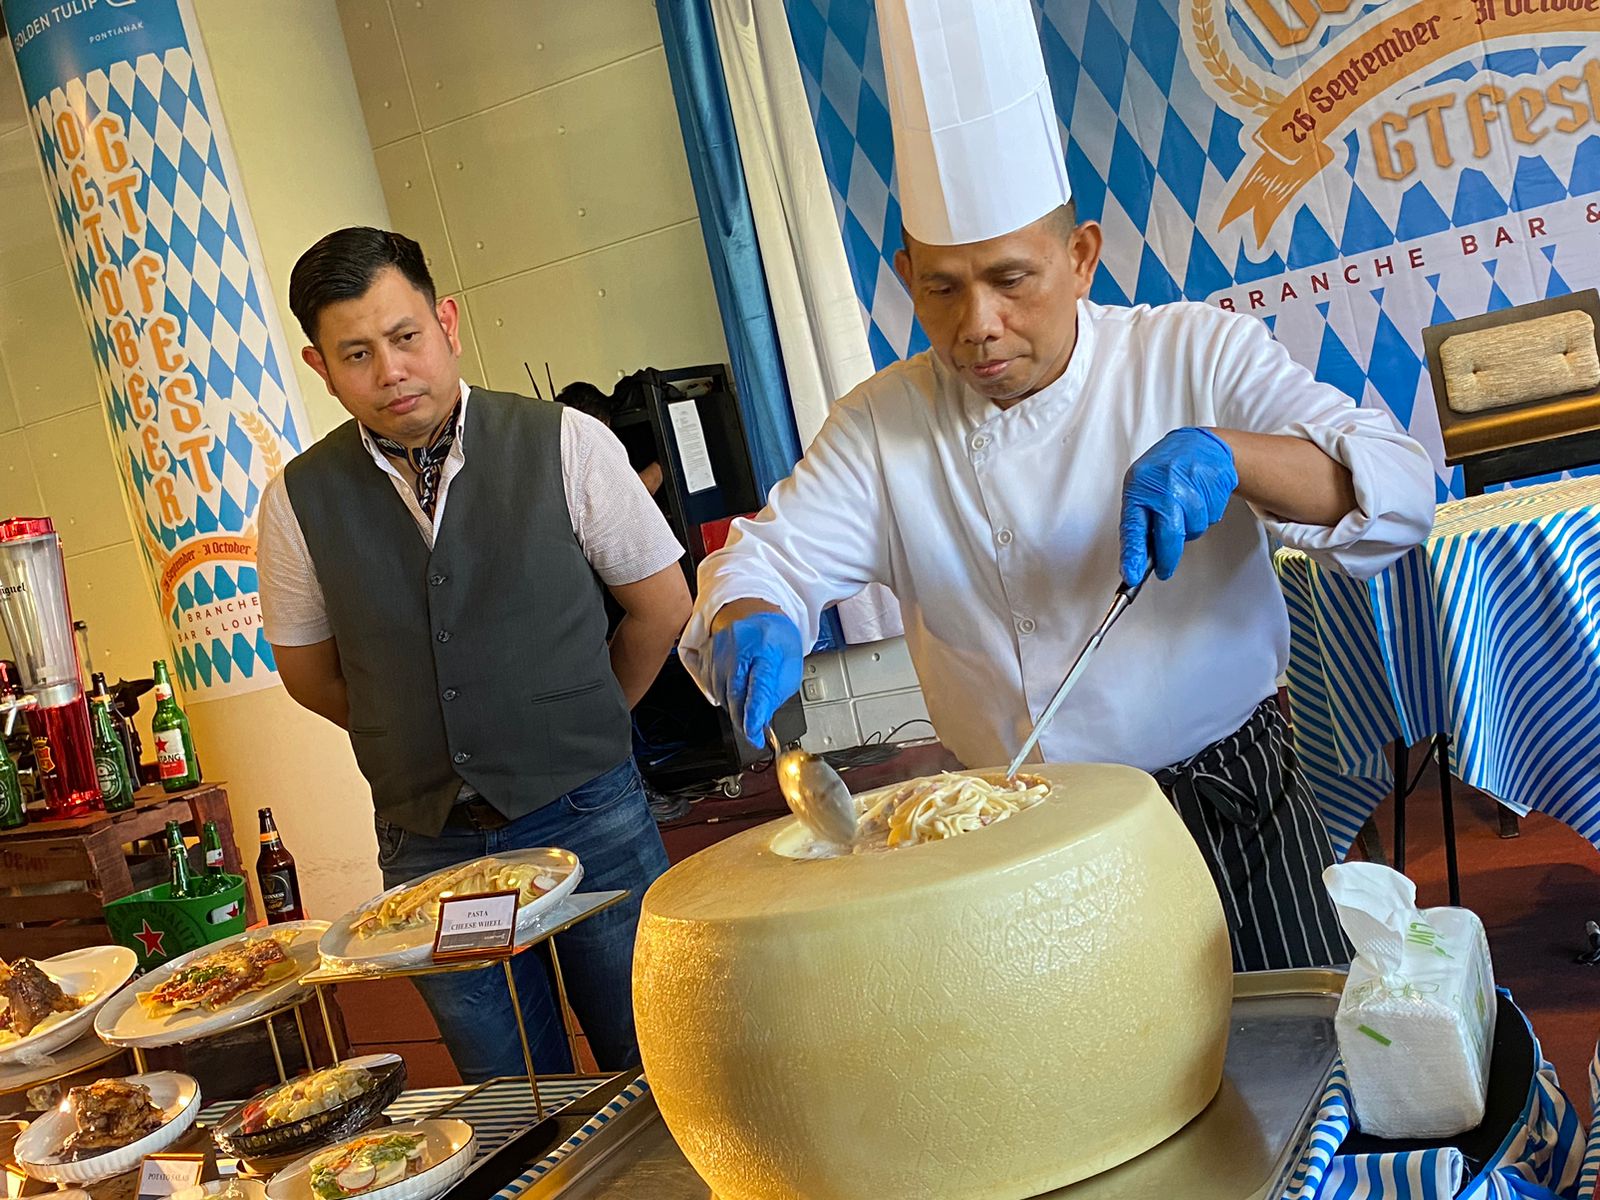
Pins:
x: 1438, y: 749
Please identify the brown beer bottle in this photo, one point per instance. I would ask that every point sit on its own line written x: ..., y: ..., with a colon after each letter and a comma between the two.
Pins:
x: 280, y: 886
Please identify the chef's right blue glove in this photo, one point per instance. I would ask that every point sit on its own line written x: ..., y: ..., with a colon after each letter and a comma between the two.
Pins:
x: 755, y: 667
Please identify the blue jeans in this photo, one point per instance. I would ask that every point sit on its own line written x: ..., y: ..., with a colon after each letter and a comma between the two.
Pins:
x: 607, y: 824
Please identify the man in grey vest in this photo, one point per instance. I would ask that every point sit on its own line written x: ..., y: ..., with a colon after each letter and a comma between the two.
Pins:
x: 432, y: 577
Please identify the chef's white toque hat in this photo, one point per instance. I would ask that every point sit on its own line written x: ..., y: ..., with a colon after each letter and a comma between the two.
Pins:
x: 976, y: 144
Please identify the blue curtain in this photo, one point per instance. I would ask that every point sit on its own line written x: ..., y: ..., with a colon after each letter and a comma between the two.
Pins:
x: 728, y: 226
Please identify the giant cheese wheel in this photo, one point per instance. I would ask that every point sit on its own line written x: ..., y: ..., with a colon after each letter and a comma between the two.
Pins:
x: 990, y: 1016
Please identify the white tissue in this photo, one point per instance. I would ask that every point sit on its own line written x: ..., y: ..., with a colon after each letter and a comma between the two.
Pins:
x: 1416, y: 1021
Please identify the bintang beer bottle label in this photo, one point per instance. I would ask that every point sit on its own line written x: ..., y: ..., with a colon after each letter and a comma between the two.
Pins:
x: 175, y: 756
x: 280, y: 885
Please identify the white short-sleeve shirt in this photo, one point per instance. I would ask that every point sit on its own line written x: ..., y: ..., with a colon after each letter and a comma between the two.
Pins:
x: 623, y: 534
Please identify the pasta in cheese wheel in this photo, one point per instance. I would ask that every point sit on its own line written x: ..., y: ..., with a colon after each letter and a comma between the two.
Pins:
x: 985, y: 1016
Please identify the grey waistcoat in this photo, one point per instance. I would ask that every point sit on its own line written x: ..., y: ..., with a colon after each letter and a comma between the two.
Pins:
x: 484, y: 660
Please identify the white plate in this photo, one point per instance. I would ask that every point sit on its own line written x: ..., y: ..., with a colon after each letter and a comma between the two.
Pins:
x: 451, y: 1148
x: 243, y: 1189
x: 36, y: 1150
x: 344, y: 948
x: 124, y: 1022
x: 98, y: 971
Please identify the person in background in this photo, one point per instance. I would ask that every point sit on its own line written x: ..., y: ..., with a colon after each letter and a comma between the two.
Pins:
x: 602, y: 406
x: 1044, y: 451
x: 432, y: 580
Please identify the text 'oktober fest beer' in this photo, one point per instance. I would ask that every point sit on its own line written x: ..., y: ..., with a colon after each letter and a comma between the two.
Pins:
x: 175, y: 757
x: 280, y: 885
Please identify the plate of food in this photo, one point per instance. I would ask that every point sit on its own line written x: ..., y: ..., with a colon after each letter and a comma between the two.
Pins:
x: 395, y: 929
x: 312, y: 1110
x: 49, y: 1003
x: 213, y: 988
x: 104, y: 1128
x: 414, y: 1161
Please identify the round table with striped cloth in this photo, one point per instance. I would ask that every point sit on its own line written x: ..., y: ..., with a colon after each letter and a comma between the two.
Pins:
x: 1486, y: 633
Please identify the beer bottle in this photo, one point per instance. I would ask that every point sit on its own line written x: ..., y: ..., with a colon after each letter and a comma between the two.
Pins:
x: 175, y: 756
x: 280, y: 885
x: 12, y: 814
x: 178, y: 861
x: 215, y: 880
x: 110, y: 759
x: 123, y: 726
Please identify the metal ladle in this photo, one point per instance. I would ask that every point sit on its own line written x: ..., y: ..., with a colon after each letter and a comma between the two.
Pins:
x: 815, y: 793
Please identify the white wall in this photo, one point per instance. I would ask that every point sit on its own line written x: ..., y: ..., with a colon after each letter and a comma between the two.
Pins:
x: 533, y: 149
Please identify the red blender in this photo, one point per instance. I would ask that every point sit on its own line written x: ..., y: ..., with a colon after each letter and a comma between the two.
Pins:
x: 38, y: 620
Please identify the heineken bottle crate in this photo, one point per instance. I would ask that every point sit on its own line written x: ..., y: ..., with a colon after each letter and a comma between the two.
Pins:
x: 56, y: 877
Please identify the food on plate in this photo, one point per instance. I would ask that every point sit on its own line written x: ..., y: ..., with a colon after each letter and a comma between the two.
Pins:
x: 414, y: 907
x: 374, y: 1161
x: 305, y: 1097
x: 215, y: 980
x: 944, y: 806
x: 1015, y: 956
x: 30, y: 997
x: 109, y: 1114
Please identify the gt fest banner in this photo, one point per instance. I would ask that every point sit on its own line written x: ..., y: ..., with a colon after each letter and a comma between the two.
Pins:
x: 1347, y: 172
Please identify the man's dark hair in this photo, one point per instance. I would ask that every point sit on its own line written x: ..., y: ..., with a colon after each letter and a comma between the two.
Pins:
x: 343, y: 265
x: 587, y: 398
x: 1063, y: 220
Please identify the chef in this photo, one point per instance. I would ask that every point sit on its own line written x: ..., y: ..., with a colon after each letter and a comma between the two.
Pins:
x: 1047, y: 448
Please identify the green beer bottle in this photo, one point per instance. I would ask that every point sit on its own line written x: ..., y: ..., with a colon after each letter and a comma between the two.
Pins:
x: 178, y: 861
x: 110, y: 759
x: 175, y: 756
x: 12, y: 814
x: 211, y: 840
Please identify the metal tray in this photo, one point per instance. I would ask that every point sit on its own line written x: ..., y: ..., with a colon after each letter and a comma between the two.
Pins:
x: 1242, y: 1147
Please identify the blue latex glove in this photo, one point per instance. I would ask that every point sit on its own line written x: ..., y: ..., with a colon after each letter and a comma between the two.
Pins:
x: 1177, y: 490
x: 755, y: 667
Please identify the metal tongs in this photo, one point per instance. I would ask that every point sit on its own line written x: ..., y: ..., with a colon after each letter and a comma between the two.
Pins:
x: 815, y: 793
x: 1126, y: 594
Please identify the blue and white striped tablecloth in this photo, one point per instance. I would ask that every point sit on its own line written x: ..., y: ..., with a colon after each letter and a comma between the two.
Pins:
x: 1542, y: 1157
x: 1487, y: 632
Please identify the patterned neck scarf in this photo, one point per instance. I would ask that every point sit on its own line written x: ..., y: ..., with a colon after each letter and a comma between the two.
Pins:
x: 428, y: 461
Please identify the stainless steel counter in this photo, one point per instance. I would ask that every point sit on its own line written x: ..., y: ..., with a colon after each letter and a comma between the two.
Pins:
x: 1242, y: 1147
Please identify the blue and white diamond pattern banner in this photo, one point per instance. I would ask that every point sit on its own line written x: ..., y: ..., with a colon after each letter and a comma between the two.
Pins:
x: 1347, y: 172
x: 201, y: 404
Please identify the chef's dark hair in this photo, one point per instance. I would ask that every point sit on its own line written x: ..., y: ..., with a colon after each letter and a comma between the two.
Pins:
x: 343, y: 265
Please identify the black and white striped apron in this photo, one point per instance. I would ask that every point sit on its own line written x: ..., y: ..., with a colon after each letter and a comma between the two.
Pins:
x: 1252, y: 813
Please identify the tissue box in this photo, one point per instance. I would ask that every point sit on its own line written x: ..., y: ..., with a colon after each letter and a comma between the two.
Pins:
x: 1416, y: 1022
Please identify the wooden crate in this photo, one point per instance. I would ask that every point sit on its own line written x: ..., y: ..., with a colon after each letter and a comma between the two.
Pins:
x: 56, y: 876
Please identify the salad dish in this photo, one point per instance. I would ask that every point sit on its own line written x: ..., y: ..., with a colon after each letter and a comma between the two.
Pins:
x: 418, y: 1160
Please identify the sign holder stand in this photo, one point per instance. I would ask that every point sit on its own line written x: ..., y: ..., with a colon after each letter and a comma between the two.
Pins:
x: 572, y: 911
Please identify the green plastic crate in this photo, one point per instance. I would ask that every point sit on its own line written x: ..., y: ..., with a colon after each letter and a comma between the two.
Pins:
x: 158, y: 928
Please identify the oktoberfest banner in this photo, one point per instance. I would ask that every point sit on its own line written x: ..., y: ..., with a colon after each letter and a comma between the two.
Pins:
x: 202, y: 406
x: 1347, y: 172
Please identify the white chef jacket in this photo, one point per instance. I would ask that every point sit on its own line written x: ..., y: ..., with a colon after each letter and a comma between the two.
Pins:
x: 997, y: 531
